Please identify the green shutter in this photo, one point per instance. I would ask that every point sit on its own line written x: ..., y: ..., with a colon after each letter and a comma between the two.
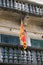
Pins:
x: 36, y: 43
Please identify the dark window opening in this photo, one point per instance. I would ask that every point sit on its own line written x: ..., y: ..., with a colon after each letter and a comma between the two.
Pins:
x: 10, y: 39
x: 36, y: 43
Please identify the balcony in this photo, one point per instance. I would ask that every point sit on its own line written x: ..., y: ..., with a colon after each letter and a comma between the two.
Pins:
x: 23, y: 7
x: 14, y: 54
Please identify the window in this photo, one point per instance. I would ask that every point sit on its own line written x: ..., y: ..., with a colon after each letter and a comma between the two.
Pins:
x: 36, y: 43
x: 10, y: 39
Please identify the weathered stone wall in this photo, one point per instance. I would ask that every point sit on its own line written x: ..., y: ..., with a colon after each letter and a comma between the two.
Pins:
x: 9, y: 24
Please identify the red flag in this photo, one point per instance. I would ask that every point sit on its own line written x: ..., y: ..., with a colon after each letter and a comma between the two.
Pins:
x: 23, y: 35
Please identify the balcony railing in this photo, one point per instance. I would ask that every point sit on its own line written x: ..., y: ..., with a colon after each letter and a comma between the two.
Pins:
x: 22, y: 7
x: 14, y: 54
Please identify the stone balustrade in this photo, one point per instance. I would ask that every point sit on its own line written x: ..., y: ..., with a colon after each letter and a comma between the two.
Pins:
x: 28, y: 8
x: 17, y: 55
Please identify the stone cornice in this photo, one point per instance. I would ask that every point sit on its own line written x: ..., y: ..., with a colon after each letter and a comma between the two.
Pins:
x: 31, y: 2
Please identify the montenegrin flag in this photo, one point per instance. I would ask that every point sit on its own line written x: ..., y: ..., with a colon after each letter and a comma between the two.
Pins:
x: 23, y: 35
